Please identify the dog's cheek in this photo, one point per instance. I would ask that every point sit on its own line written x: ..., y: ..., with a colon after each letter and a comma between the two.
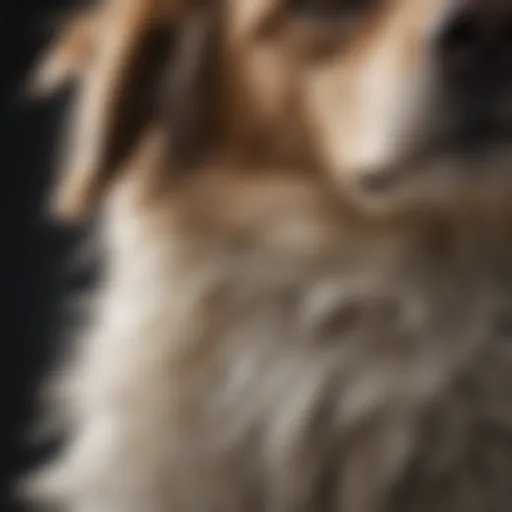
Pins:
x: 333, y: 109
x: 370, y: 104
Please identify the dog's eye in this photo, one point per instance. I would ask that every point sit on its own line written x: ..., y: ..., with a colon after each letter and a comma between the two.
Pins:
x: 329, y: 9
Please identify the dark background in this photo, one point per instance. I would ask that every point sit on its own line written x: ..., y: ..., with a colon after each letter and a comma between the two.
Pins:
x: 33, y: 252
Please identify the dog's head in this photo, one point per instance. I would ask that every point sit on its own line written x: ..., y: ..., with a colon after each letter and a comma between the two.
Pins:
x: 399, y: 104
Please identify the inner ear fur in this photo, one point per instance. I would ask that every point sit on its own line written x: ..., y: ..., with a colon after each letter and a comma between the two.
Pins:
x: 147, y: 65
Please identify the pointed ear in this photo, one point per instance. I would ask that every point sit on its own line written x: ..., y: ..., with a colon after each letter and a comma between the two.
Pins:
x: 149, y: 57
x: 69, y: 56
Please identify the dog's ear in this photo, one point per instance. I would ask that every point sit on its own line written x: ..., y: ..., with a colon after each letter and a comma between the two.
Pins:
x: 69, y: 56
x: 142, y: 64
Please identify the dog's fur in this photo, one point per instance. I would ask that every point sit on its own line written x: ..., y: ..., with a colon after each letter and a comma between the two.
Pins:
x: 281, y: 326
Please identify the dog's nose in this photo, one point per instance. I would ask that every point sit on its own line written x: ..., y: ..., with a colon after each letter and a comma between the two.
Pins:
x: 475, y: 42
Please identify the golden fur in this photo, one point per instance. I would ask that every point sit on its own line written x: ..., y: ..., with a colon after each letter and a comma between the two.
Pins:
x: 274, y: 332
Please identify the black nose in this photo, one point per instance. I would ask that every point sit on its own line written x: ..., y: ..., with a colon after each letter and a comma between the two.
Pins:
x: 475, y: 43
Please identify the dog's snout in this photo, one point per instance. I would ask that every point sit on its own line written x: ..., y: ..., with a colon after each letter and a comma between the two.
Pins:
x: 474, y: 43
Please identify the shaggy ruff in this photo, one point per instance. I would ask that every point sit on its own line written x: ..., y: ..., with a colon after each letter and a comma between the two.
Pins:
x: 287, y: 358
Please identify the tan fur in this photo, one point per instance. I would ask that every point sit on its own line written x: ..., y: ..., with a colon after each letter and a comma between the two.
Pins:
x: 268, y: 336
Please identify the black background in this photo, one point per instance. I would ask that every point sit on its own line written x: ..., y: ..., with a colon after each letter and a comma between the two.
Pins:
x: 32, y: 252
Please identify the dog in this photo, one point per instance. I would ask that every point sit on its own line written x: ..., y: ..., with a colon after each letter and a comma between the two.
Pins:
x: 306, y: 292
